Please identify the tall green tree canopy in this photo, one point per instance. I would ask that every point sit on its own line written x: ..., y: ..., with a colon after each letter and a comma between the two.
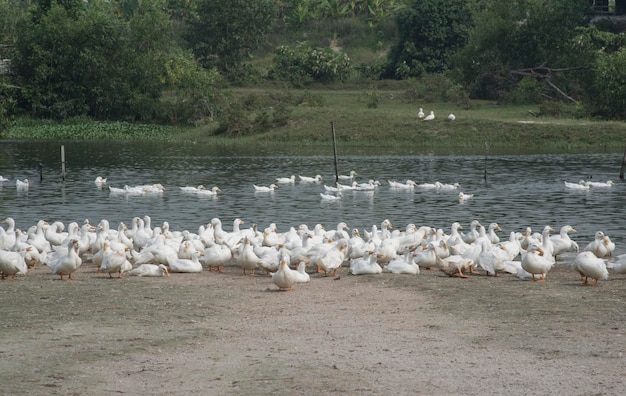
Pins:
x: 226, y: 32
x: 520, y: 34
x: 429, y: 32
x: 102, y: 59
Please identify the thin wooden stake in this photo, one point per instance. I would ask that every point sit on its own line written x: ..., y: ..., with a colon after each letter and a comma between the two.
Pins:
x: 63, y: 162
x: 621, y: 172
x: 486, y: 156
x: 332, y: 127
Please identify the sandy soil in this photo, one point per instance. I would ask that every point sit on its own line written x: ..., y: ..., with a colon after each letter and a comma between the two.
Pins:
x: 227, y: 333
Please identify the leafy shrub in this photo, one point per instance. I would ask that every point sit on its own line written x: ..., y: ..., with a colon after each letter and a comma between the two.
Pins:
x: 310, y: 99
x: 302, y: 65
x: 373, y: 99
x: 436, y: 88
x: 255, y: 113
x: 528, y: 91
x: 560, y: 109
x: 611, y: 84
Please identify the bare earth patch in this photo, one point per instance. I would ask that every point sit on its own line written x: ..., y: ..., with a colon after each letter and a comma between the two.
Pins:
x: 212, y: 333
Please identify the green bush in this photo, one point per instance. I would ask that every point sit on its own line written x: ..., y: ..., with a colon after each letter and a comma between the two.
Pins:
x: 560, y: 109
x: 436, y: 88
x: 302, y: 65
x: 527, y: 91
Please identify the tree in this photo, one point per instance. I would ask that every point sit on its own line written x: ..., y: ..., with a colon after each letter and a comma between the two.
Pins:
x: 226, y: 32
x: 11, y: 12
x: 106, y: 60
x: 429, y: 32
x: 519, y: 34
x: 611, y: 84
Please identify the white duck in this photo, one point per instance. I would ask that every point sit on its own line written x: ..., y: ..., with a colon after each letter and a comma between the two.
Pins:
x: 68, y: 263
x: 403, y: 264
x: 247, y: 259
x: 191, y: 189
x: 420, y: 113
x: 449, y: 186
x: 286, y: 180
x: 365, y: 265
x: 284, y: 277
x: 347, y: 187
x: 535, y: 263
x: 269, y: 188
x: 601, y: 246
x: 209, y: 192
x: 100, y: 181
x: 491, y: 263
x: 427, y: 258
x: 3, y: 179
x: 511, y: 248
x: 546, y: 242
x: 473, y: 234
x: 451, y: 117
x: 581, y: 185
x: 215, y: 256
x: 331, y: 197
x: 12, y: 263
x: 606, y: 184
x: 370, y: 185
x: 430, y: 116
x: 350, y: 176
x: 37, y: 239
x: 465, y: 197
x: 590, y: 266
x: 22, y: 185
x: 341, y: 232
x: 308, y: 179
x: 491, y: 233
x: 152, y: 270
x: 333, y: 258
x: 563, y: 243
x: 619, y: 265
x: 302, y: 275
x: 455, y: 265
x: 116, y: 262
x: 8, y: 237
x: 191, y: 265
x: 407, y: 185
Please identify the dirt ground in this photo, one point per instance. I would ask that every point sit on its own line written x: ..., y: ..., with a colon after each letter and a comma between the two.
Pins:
x: 221, y: 334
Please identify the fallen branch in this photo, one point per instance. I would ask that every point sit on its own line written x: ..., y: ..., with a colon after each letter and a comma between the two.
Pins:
x: 545, y: 74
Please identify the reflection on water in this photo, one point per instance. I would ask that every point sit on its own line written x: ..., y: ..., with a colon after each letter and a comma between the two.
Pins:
x: 521, y: 191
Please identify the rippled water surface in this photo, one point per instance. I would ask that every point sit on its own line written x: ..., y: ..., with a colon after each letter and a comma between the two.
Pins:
x: 521, y: 191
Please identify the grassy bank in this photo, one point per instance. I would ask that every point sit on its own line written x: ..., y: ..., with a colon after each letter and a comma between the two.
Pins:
x: 374, y: 118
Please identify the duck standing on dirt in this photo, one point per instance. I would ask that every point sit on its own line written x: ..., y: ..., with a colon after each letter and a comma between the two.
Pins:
x: 285, y: 277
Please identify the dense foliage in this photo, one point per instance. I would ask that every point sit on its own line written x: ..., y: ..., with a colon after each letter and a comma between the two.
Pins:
x: 429, y: 32
x: 171, y: 61
x: 304, y: 65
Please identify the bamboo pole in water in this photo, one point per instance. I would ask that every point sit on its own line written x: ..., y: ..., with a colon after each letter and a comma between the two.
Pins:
x: 486, y: 155
x: 63, y: 162
x: 621, y: 172
x: 332, y: 127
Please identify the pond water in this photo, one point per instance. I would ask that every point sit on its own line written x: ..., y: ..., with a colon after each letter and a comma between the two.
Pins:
x: 521, y: 190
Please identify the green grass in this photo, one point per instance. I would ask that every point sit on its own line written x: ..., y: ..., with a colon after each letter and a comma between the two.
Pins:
x: 393, y: 124
x: 390, y: 125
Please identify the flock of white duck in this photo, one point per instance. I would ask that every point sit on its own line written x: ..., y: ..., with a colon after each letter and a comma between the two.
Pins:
x: 290, y: 256
x: 348, y: 182
x: 431, y: 116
